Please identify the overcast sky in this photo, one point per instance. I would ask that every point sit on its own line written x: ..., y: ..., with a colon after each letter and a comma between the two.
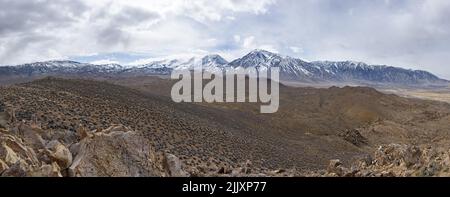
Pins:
x: 406, y: 33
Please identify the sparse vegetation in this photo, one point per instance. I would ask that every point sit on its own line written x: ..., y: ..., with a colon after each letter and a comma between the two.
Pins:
x: 312, y: 126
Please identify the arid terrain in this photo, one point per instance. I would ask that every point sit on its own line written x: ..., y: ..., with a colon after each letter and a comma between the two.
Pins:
x: 441, y: 94
x: 130, y: 127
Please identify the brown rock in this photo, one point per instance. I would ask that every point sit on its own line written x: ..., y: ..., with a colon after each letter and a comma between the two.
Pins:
x: 247, y: 167
x: 12, y: 116
x: 47, y: 170
x: 31, y: 136
x: 3, y: 166
x: 14, y: 153
x: 60, y: 154
x: 237, y: 172
x: 279, y: 171
x: 354, y: 136
x: 83, y: 133
x: 19, y: 169
x: 4, y: 131
x: 118, y: 153
x: 172, y: 166
x: 225, y: 170
x: 9, y: 155
x: 335, y: 166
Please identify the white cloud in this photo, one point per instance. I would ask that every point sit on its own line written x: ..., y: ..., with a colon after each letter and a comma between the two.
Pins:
x: 47, y: 29
x: 105, y: 61
x: 249, y: 42
x: 237, y: 38
x: 178, y: 56
x: 269, y: 47
x: 296, y: 49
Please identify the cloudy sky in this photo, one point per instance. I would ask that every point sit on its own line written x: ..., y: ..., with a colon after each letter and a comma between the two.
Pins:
x: 407, y: 33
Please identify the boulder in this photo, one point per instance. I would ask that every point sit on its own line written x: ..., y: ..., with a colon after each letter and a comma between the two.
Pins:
x: 172, y: 166
x: 59, y: 153
x: 83, y: 133
x: 9, y: 155
x: 13, y: 149
x: 335, y: 167
x: 47, y: 170
x: 31, y: 136
x: 247, y: 167
x: 114, y: 153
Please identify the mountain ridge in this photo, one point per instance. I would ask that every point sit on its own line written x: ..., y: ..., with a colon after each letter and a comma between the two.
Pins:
x: 291, y: 69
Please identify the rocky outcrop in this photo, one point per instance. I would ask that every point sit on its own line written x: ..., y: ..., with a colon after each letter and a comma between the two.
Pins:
x: 172, y: 166
x: 398, y: 161
x: 116, y: 151
x: 17, y: 159
x: 59, y: 153
x: 27, y: 150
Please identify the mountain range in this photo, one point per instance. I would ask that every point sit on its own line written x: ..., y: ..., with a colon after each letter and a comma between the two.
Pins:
x: 291, y: 69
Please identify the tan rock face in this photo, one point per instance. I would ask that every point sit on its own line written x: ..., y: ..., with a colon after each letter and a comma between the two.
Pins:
x: 18, y: 153
x: 114, y: 152
x: 31, y: 136
x: 3, y: 166
x: 16, y: 159
x: 9, y: 155
x: 13, y: 150
x: 59, y: 153
x: 335, y: 168
x: 47, y: 170
x: 172, y: 166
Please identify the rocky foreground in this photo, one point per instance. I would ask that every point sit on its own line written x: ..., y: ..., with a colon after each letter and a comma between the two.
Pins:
x: 29, y: 151
x: 395, y: 160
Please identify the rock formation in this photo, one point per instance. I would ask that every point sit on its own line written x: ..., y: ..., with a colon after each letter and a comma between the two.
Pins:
x: 116, y: 151
x: 397, y: 161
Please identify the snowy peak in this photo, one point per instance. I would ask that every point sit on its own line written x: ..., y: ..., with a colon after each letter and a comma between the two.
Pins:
x: 262, y: 54
x: 290, y: 68
x: 209, y: 61
x: 56, y: 63
x: 214, y: 60
x: 258, y: 58
x: 345, y: 64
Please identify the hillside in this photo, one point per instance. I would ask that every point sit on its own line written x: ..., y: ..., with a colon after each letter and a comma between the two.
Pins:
x: 312, y: 126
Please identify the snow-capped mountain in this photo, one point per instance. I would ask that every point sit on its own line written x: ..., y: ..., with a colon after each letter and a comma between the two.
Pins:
x: 291, y: 69
x: 206, y: 62
x: 358, y: 71
x: 294, y: 69
x: 166, y: 66
x: 58, y: 68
